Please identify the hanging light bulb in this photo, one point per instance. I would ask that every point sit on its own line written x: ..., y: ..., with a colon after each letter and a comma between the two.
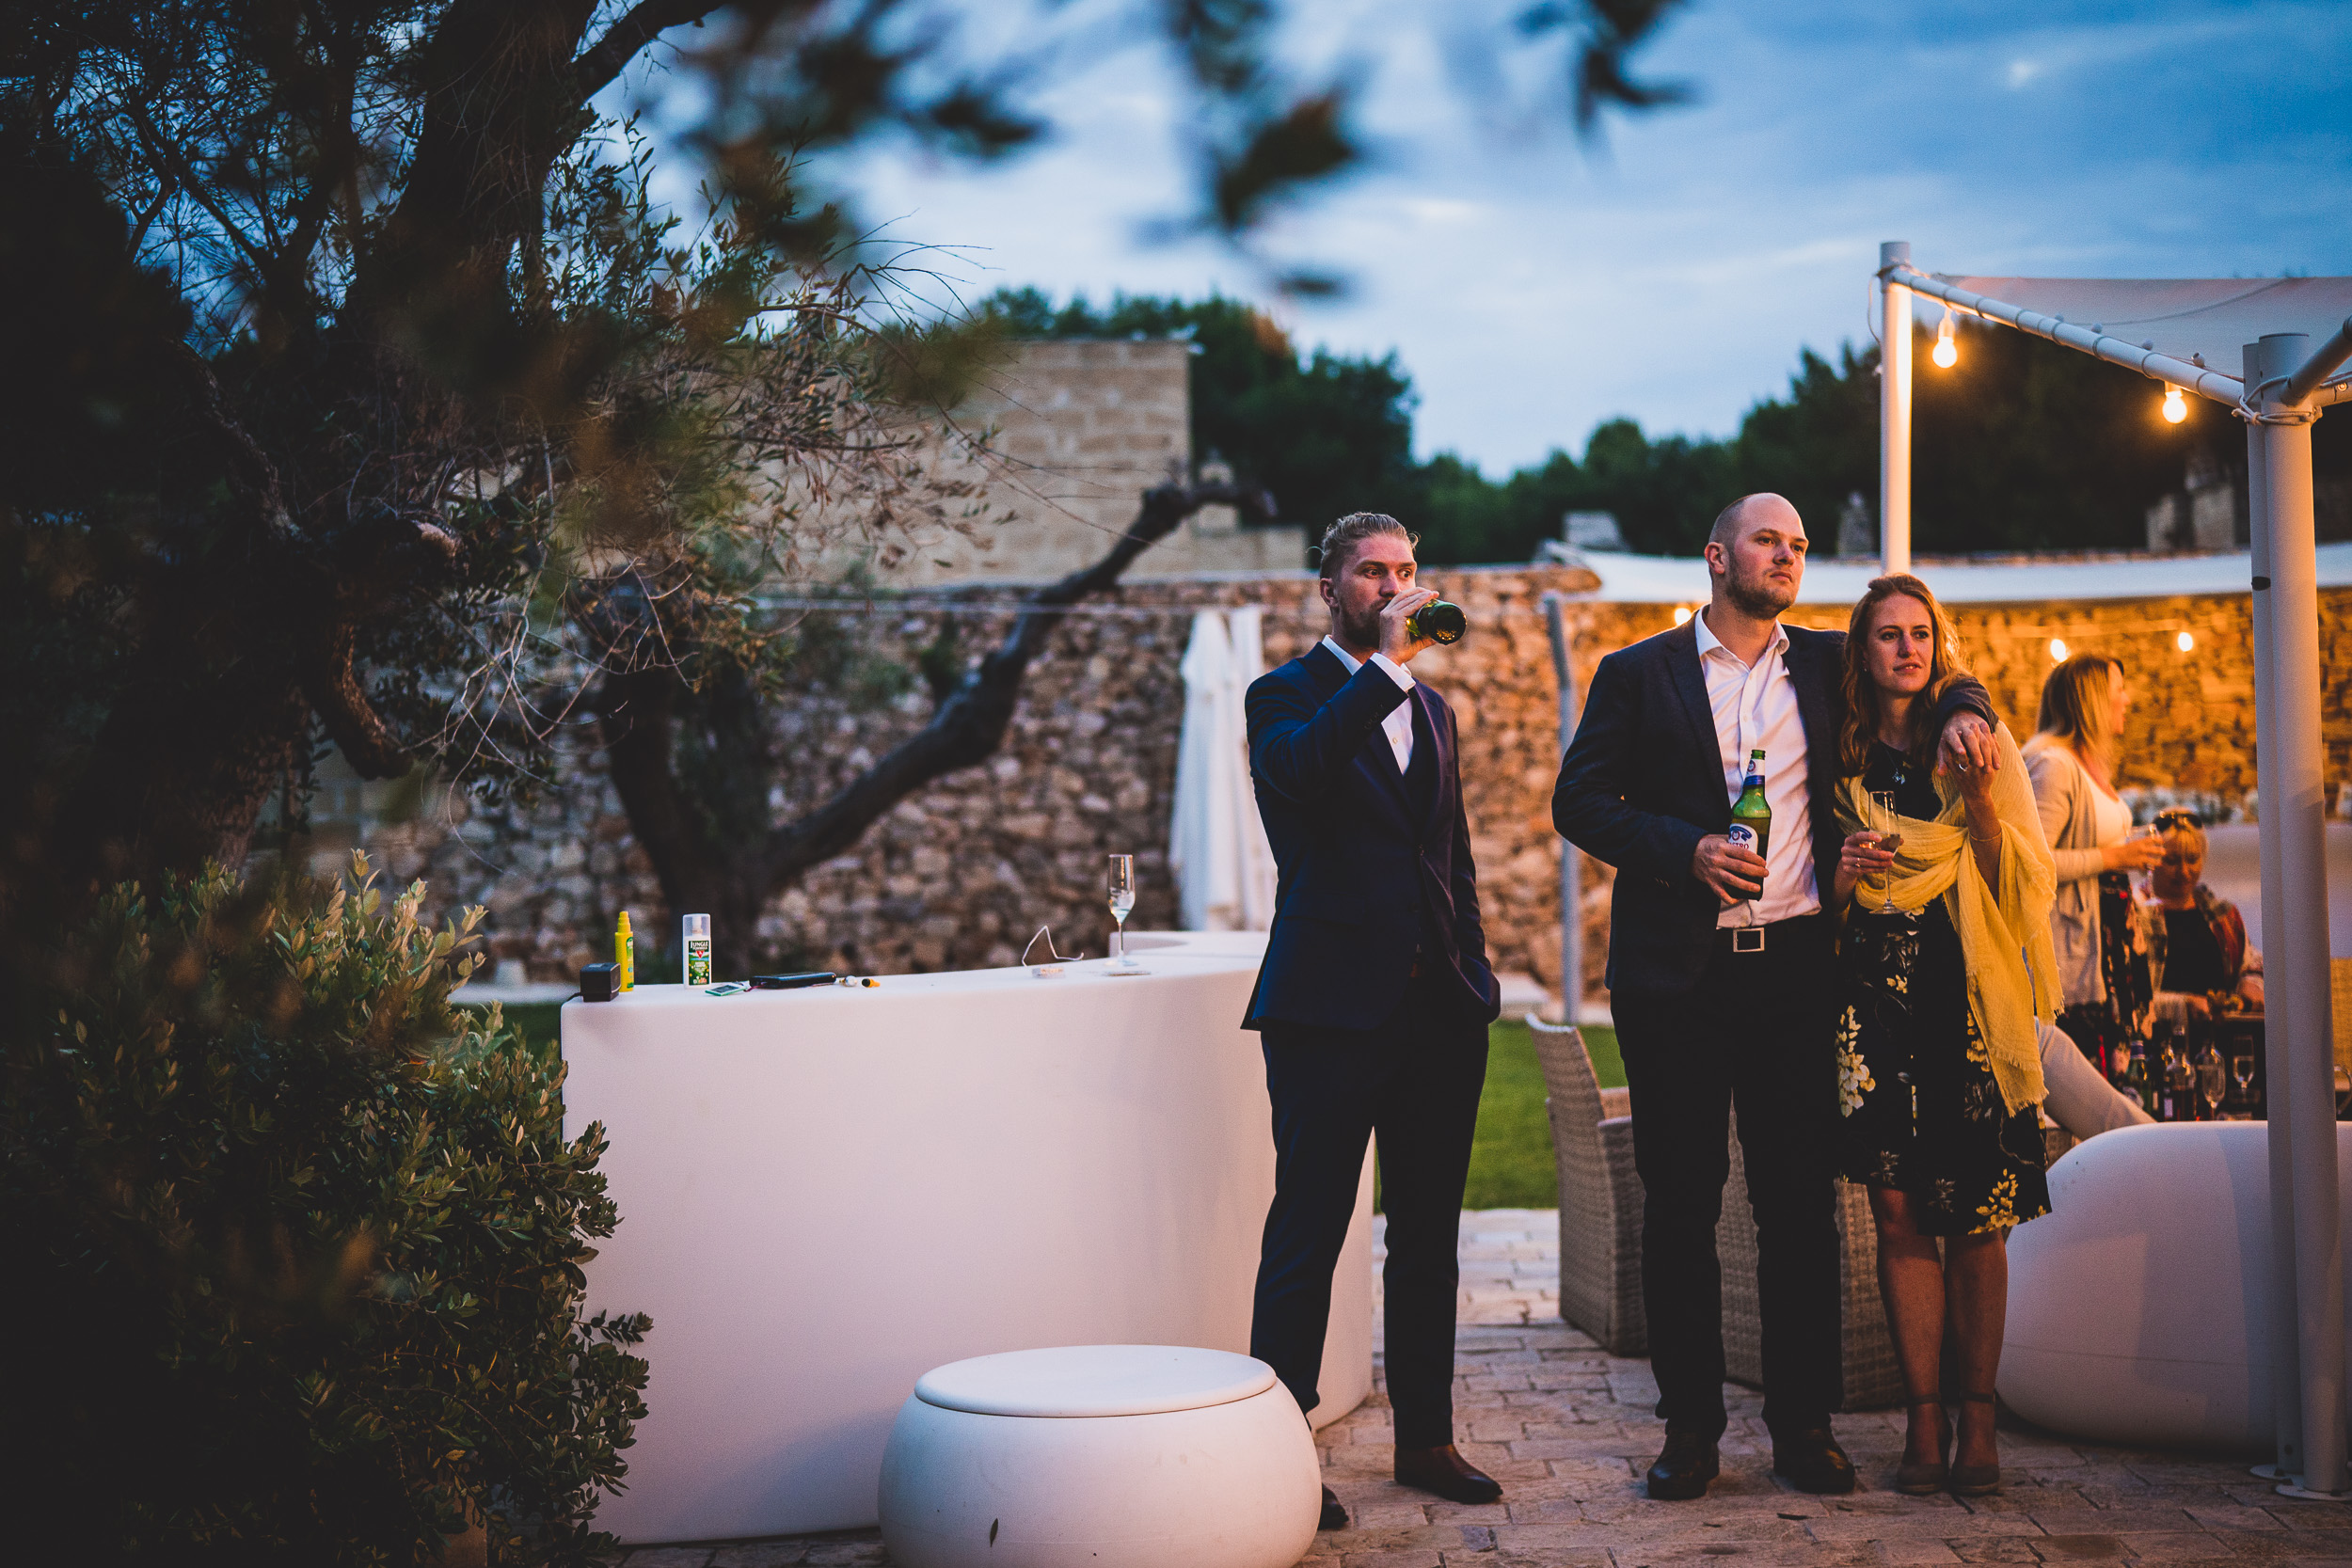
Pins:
x: 2176, y: 405
x: 2057, y: 651
x: 1944, y: 352
x: 2185, y: 643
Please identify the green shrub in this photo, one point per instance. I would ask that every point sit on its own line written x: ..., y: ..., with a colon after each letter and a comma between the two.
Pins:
x: 293, y: 1246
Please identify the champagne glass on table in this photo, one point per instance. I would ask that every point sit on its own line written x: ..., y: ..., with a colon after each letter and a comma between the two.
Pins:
x: 2242, y: 1070
x: 2212, y: 1082
x: 1121, y: 889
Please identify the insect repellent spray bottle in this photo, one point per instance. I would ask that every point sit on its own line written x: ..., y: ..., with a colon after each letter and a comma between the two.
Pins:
x: 697, y: 949
x: 624, y: 954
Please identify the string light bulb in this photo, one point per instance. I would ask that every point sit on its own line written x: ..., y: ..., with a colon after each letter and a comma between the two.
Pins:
x: 1946, y: 354
x: 2057, y: 651
x: 2185, y: 643
x: 2176, y: 405
x: 1682, y: 614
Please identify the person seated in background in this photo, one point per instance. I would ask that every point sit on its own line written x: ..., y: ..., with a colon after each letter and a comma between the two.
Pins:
x: 2198, y: 955
x: 2081, y: 1100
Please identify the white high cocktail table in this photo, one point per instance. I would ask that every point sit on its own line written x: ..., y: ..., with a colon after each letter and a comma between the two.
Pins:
x: 826, y: 1193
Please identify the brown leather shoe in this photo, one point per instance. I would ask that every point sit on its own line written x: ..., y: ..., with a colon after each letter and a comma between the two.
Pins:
x: 1334, y: 1515
x: 1446, y: 1473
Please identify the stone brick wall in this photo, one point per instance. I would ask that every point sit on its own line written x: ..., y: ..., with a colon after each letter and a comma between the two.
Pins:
x: 963, y: 872
x: 1082, y: 426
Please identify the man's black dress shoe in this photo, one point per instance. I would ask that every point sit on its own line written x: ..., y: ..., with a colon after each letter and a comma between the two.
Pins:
x: 1684, y: 1467
x: 1334, y: 1517
x: 1446, y: 1473
x: 1812, y: 1460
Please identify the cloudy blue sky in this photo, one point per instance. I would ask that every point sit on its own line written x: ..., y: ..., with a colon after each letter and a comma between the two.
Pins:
x: 1533, y: 292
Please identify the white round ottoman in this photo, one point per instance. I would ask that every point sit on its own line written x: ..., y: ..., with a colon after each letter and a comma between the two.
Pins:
x: 2140, y: 1305
x: 1139, y: 1456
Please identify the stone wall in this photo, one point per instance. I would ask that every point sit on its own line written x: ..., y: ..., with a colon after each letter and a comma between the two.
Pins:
x: 1080, y: 427
x: 964, y: 872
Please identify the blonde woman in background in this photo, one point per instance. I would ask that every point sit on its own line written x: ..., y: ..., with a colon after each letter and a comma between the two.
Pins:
x: 2101, y: 952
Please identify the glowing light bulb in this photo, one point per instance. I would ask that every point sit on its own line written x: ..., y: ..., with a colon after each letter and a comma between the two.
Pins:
x: 1946, y: 354
x: 2185, y: 641
x: 2176, y: 405
x: 2057, y: 651
x: 1682, y: 614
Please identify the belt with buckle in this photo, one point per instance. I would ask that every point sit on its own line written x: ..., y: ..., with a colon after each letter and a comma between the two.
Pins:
x: 1752, y: 939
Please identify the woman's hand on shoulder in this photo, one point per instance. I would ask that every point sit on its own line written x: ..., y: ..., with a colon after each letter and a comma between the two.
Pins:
x: 1969, y: 747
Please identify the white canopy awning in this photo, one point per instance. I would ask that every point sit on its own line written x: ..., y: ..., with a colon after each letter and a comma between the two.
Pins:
x: 2208, y: 321
x: 1682, y: 579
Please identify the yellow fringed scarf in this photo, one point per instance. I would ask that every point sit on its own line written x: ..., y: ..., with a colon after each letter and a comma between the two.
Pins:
x: 2004, y: 941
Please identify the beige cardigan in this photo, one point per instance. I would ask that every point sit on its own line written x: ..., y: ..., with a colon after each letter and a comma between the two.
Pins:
x: 2067, y: 801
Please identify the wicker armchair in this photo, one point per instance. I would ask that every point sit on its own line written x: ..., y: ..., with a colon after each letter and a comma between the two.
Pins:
x: 1600, y: 1196
x: 1601, y: 1236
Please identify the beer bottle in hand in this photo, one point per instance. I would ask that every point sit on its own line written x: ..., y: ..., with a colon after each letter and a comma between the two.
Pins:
x: 1752, y: 816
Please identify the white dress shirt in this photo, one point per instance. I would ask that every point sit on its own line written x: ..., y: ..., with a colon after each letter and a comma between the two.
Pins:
x: 1397, y: 724
x: 1757, y: 705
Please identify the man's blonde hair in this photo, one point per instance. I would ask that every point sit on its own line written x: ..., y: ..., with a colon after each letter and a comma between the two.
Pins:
x: 1341, y: 538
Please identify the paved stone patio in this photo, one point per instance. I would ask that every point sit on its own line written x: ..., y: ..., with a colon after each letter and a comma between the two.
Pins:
x: 1568, y: 1429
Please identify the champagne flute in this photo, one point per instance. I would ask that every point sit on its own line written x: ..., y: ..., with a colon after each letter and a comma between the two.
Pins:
x: 2211, y: 1081
x: 2242, y: 1069
x: 1883, y: 819
x: 1121, y: 887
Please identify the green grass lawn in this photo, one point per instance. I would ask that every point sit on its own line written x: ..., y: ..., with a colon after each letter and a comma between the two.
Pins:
x: 1511, y: 1157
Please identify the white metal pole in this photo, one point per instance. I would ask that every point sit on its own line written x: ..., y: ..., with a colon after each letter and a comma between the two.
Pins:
x: 2296, y: 797
x: 2286, y: 1378
x: 1571, y: 878
x: 1894, y: 411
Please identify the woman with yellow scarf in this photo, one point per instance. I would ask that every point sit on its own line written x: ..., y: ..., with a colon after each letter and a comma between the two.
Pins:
x: 1946, y: 962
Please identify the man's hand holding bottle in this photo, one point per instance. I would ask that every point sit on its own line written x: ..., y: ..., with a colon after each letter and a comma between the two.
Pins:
x: 1395, y: 641
x: 1735, y: 873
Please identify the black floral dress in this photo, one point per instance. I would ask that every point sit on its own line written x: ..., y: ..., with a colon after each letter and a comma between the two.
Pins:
x: 1923, y: 1113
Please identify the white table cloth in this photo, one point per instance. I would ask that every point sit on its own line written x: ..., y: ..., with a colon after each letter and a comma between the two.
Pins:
x: 826, y: 1193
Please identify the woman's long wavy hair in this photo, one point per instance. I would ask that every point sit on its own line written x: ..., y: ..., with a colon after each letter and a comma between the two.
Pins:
x: 1945, y: 666
x: 2074, y: 705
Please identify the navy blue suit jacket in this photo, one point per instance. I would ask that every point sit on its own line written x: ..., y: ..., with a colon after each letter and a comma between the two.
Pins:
x: 1358, y: 867
x: 1643, y: 783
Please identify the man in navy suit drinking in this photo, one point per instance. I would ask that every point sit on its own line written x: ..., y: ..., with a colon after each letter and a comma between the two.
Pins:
x: 1374, y: 997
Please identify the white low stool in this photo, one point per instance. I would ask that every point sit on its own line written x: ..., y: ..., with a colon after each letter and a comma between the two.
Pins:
x: 1138, y: 1456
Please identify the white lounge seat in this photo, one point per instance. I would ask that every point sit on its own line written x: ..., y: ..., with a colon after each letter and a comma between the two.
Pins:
x: 1148, y: 1456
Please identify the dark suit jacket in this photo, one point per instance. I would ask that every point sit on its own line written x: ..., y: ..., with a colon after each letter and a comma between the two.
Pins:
x: 1643, y: 783
x: 1365, y: 879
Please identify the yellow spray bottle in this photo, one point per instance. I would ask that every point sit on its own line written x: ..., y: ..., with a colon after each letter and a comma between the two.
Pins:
x: 624, y: 953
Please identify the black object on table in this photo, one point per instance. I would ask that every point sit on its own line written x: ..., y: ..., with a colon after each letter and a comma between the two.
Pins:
x: 790, y: 982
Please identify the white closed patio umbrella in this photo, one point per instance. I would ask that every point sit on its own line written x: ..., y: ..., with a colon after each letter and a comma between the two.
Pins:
x: 1216, y: 843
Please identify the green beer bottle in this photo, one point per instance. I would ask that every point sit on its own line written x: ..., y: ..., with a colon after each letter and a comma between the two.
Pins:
x: 1441, y: 623
x: 1752, y: 816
